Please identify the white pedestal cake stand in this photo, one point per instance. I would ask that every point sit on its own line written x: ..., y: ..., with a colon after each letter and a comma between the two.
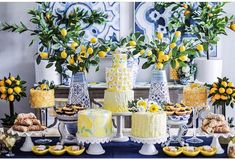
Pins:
x: 119, y: 137
x: 95, y: 147
x: 148, y: 147
x: 28, y: 143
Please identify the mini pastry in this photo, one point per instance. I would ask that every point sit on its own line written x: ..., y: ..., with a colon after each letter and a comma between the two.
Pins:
x: 170, y: 112
x: 58, y: 147
x: 26, y: 116
x: 191, y: 151
x: 181, y: 113
x: 208, y: 151
x: 20, y: 128
x: 172, y: 151
x: 24, y: 122
x: 41, y: 148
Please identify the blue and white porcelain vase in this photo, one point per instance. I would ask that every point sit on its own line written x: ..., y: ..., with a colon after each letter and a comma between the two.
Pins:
x: 133, y: 63
x: 159, y: 91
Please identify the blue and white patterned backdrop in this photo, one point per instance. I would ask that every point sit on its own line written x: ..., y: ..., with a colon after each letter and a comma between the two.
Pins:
x: 149, y: 21
x: 110, y: 30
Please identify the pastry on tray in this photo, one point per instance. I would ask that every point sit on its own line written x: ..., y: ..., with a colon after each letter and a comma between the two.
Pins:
x: 172, y: 151
x: 69, y: 110
x: 215, y: 123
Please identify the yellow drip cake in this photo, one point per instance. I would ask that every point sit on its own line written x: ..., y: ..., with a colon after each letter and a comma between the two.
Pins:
x: 42, y: 98
x: 149, y: 125
x: 195, y: 95
x: 119, y: 81
x: 94, y: 123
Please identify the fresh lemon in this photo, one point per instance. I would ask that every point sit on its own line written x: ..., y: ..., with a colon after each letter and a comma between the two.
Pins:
x: 74, y: 45
x: 149, y: 53
x: 2, y: 89
x: 183, y: 58
x: 232, y: 26
x: 182, y: 48
x: 17, y: 82
x: 10, y: 91
x: 3, y: 96
x: 11, y: 98
x: 132, y: 43
x: 214, y: 85
x: 165, y: 58
x: 71, y: 61
x: 230, y: 84
x: 177, y: 63
x: 159, y: 66
x: 223, y: 97
x: 177, y: 34
x: 223, y: 83
x: 185, y: 6
x: 229, y: 91
x: 217, y: 96
x: 172, y: 45
x: 79, y: 58
x: 102, y: 54
x: 63, y: 54
x: 83, y: 48
x: 108, y: 49
x: 17, y: 90
x: 142, y: 52
x: 200, y: 47
x: 170, y: 54
x: 213, y: 90
x: 159, y: 35
x: 44, y: 55
x: 210, y: 14
x: 93, y: 40
x: 213, y: 99
x: 1, y: 83
x: 221, y: 90
x: 12, y: 78
x: 48, y: 16
x: 90, y: 50
x: 8, y: 81
x: 187, y: 12
x: 63, y: 32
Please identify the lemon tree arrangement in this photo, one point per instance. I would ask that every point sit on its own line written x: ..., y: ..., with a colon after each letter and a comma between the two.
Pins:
x: 222, y: 92
x: 11, y: 89
x: 141, y: 105
x: 61, y: 37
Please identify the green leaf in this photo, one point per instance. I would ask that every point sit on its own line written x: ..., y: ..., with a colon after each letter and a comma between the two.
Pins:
x: 49, y: 65
x: 38, y: 60
x: 146, y: 65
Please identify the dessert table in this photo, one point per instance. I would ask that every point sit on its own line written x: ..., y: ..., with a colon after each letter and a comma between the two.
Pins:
x: 113, y: 150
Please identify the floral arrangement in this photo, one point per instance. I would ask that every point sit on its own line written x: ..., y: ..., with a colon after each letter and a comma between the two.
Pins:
x: 169, y: 50
x: 204, y: 20
x: 11, y: 89
x: 222, y: 92
x: 45, y: 85
x: 140, y: 105
x: 61, y: 37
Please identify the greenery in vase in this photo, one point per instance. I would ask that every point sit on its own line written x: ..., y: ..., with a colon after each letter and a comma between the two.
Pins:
x: 164, y: 50
x: 203, y: 20
x: 11, y: 89
x: 45, y: 85
x: 62, y: 37
x: 222, y: 92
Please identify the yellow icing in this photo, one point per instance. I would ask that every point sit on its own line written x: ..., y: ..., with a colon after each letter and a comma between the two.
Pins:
x: 42, y: 98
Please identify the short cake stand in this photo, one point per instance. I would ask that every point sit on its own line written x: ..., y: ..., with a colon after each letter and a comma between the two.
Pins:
x: 148, y: 147
x: 95, y: 147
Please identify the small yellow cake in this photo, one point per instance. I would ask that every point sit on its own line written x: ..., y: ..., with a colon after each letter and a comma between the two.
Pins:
x: 42, y: 98
x: 94, y: 123
x: 195, y: 95
x: 149, y: 125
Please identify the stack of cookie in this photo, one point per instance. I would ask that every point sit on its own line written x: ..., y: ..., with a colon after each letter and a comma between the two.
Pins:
x: 178, y: 109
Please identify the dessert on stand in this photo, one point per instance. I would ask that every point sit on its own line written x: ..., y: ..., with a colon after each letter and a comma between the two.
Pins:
x: 95, y: 128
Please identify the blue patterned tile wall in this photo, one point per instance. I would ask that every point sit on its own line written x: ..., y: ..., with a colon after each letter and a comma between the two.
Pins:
x: 148, y: 21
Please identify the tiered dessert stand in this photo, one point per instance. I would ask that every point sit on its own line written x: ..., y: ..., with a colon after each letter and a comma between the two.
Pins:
x: 95, y: 147
x: 148, y: 147
x: 119, y: 137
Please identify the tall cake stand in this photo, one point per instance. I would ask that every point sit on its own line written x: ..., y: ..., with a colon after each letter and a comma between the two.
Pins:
x: 28, y: 143
x: 95, y: 147
x: 148, y: 147
x: 119, y: 137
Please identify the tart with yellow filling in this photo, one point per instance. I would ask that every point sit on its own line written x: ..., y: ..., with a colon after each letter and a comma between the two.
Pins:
x: 172, y: 151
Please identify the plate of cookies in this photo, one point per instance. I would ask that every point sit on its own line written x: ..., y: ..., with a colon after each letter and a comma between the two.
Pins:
x: 68, y: 111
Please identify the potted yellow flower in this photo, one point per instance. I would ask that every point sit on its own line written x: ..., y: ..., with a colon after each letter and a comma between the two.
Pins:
x: 11, y: 89
x: 141, y: 105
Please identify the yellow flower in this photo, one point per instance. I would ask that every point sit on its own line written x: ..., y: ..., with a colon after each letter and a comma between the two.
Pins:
x: 159, y: 35
x: 1, y: 83
x: 44, y: 86
x: 17, y: 82
x: 11, y: 98
x: 8, y: 81
x: 142, y: 103
x: 74, y: 45
x: 229, y: 91
x: 153, y: 108
x: 17, y: 90
x: 177, y: 34
x: 142, y: 52
x: 183, y: 58
x: 90, y: 50
x: 93, y: 40
x: 200, y: 47
x: 221, y: 90
x: 172, y: 45
x: 71, y: 61
x: 102, y: 54
x: 63, y: 54
x: 63, y: 32
x: 132, y: 43
x: 182, y: 48
x: 44, y: 55
x: 230, y: 84
x: 159, y: 66
x: 161, y: 54
x: 10, y: 91
x: 223, y: 83
x: 12, y: 78
x: 2, y: 89
x: 3, y: 96
x: 149, y: 53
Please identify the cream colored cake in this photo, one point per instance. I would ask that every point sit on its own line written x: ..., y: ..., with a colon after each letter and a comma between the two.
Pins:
x: 119, y: 84
x: 149, y: 125
x: 94, y: 123
x: 42, y: 98
x: 195, y: 95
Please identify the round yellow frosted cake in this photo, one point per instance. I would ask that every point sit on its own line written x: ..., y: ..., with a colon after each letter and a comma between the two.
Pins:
x: 42, y: 98
x: 149, y: 125
x: 94, y: 123
x: 195, y: 95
